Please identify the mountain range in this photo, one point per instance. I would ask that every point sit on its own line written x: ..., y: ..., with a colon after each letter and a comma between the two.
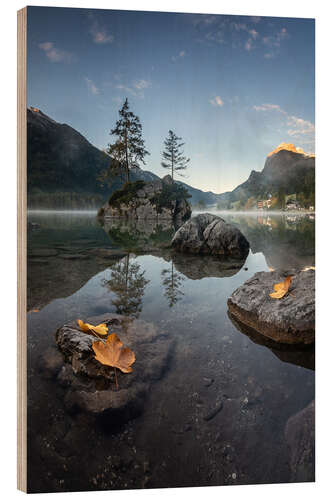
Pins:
x: 63, y: 167
x: 286, y: 170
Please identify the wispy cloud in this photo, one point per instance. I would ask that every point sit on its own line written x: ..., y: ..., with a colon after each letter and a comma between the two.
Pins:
x: 202, y: 19
x: 54, y: 54
x: 91, y: 86
x: 216, y: 101
x: 300, y: 127
x: 273, y: 43
x: 142, y: 84
x: 253, y: 33
x: 269, y: 107
x: 180, y: 55
x: 297, y: 128
x: 136, y: 88
x: 249, y: 45
x: 100, y: 34
x: 244, y: 32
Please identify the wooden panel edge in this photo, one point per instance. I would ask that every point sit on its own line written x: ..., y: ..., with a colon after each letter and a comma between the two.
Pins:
x: 21, y: 250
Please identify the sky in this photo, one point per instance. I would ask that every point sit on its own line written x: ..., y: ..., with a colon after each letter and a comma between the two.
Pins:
x: 233, y: 87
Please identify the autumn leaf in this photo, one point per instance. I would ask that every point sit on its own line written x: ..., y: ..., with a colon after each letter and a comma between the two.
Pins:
x: 101, y: 329
x: 281, y: 288
x: 112, y: 353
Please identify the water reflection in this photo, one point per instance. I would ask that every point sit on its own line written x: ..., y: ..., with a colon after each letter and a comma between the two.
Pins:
x: 287, y: 241
x: 128, y: 283
x: 196, y: 267
x: 69, y: 249
x: 139, y: 235
x: 295, y: 354
x: 172, y: 283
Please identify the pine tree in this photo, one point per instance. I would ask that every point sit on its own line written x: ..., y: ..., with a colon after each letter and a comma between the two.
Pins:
x: 172, y: 282
x: 173, y: 155
x: 129, y: 148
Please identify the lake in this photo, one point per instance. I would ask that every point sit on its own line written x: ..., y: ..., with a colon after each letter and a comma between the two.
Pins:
x: 77, y: 268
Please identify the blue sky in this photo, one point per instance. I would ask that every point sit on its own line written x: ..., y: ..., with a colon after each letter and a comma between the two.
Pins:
x: 233, y: 87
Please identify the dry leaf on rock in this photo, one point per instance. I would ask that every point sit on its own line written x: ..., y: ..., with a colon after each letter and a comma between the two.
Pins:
x: 112, y: 353
x: 101, y: 329
x: 281, y: 288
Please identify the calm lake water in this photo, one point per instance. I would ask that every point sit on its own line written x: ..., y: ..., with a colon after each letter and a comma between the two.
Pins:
x: 71, y: 275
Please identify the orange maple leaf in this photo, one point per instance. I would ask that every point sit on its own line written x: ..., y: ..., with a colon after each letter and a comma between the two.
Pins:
x: 281, y: 288
x: 112, y: 353
x: 101, y: 329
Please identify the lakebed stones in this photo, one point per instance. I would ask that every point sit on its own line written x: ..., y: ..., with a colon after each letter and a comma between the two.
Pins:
x: 289, y: 320
x: 90, y: 385
x: 300, y: 436
x: 211, y: 235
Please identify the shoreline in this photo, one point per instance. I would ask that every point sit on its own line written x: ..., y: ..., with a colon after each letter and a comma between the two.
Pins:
x: 228, y: 212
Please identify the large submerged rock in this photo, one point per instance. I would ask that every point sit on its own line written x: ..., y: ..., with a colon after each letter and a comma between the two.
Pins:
x: 160, y: 200
x: 289, y: 320
x: 300, y: 436
x: 91, y: 385
x: 210, y: 234
x: 296, y: 354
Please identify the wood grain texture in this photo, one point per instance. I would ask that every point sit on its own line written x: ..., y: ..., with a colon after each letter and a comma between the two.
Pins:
x: 21, y: 250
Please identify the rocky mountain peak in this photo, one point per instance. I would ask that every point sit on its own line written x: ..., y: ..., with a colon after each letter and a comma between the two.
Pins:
x: 289, y: 147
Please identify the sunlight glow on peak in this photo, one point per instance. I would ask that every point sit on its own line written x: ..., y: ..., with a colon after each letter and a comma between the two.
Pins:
x: 289, y: 147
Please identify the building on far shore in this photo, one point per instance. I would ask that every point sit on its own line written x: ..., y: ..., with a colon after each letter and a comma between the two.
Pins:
x: 292, y: 205
x: 261, y: 204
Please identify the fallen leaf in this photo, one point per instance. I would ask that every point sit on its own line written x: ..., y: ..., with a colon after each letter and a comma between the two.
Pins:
x: 112, y: 353
x: 101, y: 329
x: 281, y: 288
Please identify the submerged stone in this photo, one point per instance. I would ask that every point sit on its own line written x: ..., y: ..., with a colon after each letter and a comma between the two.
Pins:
x: 289, y: 320
x: 91, y: 385
x: 300, y: 436
x: 295, y: 354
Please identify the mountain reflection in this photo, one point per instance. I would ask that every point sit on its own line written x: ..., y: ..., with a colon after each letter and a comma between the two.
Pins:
x: 287, y: 241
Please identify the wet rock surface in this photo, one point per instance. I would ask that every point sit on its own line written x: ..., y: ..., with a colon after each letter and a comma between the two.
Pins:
x: 289, y: 320
x: 300, y: 436
x: 91, y: 385
x: 210, y: 234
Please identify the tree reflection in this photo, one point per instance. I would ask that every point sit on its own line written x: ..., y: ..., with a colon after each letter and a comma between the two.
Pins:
x: 128, y: 283
x: 172, y: 282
